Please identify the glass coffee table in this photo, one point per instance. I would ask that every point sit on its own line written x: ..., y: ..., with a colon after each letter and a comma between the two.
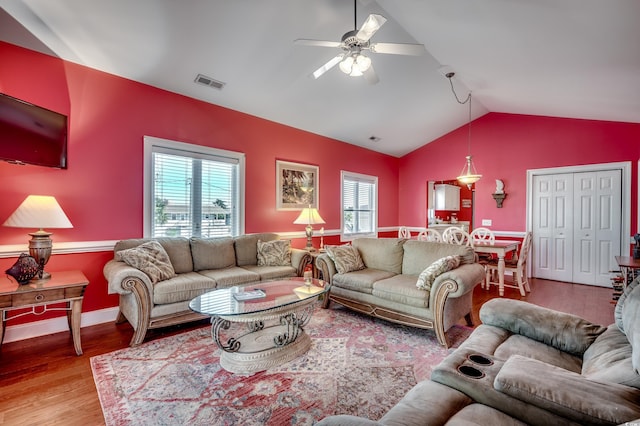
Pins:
x: 273, y: 313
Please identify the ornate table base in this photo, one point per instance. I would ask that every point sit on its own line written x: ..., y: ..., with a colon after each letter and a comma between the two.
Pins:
x: 263, y: 346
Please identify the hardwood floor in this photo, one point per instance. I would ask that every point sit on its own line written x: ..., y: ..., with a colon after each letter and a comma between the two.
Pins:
x: 43, y: 382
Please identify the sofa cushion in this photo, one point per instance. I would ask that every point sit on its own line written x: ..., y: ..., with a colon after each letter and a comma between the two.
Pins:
x: 631, y: 321
x: 381, y: 253
x: 178, y: 249
x: 272, y: 272
x: 418, y: 255
x: 274, y: 253
x: 247, y: 247
x: 401, y: 289
x: 617, y: 313
x: 563, y: 331
x: 150, y: 258
x: 361, y: 280
x: 608, y: 359
x: 228, y: 277
x: 346, y: 258
x: 567, y: 393
x: 212, y: 253
x: 431, y: 272
x: 182, y: 287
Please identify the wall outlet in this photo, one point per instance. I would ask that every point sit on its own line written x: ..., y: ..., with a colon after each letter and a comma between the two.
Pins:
x: 486, y: 222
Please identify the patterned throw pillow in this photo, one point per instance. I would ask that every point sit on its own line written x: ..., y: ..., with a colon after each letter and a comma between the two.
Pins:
x: 440, y: 266
x: 346, y: 258
x: 151, y: 258
x: 274, y: 253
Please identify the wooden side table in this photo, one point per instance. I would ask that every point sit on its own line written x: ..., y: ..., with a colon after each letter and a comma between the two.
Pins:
x: 63, y: 287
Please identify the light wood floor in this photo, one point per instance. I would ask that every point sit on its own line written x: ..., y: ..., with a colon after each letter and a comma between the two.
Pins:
x: 43, y: 382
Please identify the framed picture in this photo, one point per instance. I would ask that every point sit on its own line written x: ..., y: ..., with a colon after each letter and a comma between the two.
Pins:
x: 296, y: 185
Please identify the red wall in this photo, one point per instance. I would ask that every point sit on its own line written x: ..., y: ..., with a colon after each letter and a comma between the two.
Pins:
x: 101, y: 191
x: 505, y: 146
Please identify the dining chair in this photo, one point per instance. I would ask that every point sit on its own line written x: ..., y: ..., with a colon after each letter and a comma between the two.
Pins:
x: 483, y: 235
x: 430, y: 234
x: 479, y: 236
x: 403, y: 232
x: 456, y: 235
x: 518, y: 267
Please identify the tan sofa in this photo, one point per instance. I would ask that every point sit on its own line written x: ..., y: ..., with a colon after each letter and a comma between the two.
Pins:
x: 200, y: 265
x: 531, y: 365
x: 386, y: 287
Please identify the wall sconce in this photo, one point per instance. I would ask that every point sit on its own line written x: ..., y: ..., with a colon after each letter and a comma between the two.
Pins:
x: 499, y: 195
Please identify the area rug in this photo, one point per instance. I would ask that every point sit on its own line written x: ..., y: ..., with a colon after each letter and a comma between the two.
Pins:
x: 356, y: 365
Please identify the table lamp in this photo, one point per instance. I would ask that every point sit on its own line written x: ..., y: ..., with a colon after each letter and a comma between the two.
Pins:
x: 39, y: 211
x: 309, y: 216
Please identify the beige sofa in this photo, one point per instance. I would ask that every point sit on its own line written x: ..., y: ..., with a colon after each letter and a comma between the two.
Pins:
x: 386, y: 287
x: 200, y: 265
x: 531, y: 365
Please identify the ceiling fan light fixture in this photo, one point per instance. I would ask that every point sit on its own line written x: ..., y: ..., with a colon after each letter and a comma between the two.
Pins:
x: 363, y: 63
x: 346, y: 66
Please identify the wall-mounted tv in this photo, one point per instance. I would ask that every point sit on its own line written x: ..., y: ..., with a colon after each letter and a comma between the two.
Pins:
x: 30, y: 134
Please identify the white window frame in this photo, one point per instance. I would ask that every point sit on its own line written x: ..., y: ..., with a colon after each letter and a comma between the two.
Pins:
x: 362, y: 178
x: 153, y: 144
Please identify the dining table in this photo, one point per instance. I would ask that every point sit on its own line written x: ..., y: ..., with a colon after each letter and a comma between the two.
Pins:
x: 500, y: 248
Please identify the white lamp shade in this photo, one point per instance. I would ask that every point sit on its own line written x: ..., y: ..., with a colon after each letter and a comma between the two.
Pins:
x: 39, y: 211
x: 308, y: 216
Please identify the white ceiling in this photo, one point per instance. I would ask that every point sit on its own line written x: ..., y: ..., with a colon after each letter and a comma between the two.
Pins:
x: 564, y: 58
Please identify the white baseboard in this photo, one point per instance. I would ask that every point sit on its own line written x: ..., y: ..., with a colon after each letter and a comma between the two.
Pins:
x: 57, y: 325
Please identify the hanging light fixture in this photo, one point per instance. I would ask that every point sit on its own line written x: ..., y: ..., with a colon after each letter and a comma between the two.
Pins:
x: 468, y: 175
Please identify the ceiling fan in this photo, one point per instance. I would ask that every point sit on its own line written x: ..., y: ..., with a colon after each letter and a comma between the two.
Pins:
x: 352, y: 61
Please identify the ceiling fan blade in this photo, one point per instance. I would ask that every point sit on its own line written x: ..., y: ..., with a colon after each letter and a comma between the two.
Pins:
x: 370, y: 75
x: 398, y: 48
x: 370, y: 26
x: 326, y: 67
x: 320, y: 43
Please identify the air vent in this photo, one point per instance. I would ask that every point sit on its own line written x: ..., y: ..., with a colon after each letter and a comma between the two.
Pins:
x: 208, y: 81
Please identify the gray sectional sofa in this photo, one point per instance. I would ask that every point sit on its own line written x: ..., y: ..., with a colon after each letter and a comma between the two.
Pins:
x: 200, y: 265
x: 386, y: 287
x: 531, y: 365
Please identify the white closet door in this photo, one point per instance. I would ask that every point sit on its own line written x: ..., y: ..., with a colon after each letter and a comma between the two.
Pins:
x: 597, y: 200
x: 576, y: 226
x: 553, y: 227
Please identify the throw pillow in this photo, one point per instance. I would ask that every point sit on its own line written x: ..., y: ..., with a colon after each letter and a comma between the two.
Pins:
x: 346, y: 258
x: 440, y: 266
x: 151, y: 258
x: 274, y: 253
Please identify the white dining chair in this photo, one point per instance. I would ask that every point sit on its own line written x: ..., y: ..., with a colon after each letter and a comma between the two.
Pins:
x: 430, y: 234
x: 457, y: 235
x: 483, y: 235
x: 518, y: 268
x: 403, y: 232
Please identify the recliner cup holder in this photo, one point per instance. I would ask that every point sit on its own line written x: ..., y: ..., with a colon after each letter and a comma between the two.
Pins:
x: 470, y: 371
x: 480, y: 359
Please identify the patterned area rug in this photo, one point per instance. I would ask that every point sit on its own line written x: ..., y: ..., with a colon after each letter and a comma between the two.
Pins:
x: 356, y: 365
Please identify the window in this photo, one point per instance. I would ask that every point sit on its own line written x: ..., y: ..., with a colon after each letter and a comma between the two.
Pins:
x: 359, y: 200
x: 192, y: 190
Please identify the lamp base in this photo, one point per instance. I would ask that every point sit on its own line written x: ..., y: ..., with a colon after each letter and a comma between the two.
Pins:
x: 40, y: 246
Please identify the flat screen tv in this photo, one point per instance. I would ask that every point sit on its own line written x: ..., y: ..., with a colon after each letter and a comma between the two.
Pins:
x: 30, y: 134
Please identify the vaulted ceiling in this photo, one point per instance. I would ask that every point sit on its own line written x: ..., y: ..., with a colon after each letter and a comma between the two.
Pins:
x: 562, y: 58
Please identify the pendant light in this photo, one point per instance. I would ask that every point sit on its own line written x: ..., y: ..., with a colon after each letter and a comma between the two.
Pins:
x: 468, y: 175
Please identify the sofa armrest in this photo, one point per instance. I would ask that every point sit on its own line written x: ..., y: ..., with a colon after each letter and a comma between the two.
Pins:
x: 122, y: 278
x: 465, y: 276
x: 566, y: 332
x: 326, y: 266
x: 299, y: 260
x: 567, y: 393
